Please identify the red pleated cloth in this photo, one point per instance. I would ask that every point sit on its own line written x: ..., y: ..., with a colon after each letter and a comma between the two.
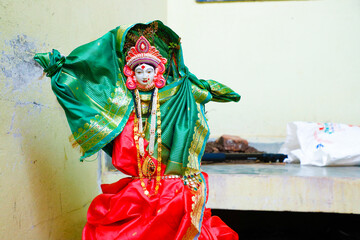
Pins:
x: 123, y: 211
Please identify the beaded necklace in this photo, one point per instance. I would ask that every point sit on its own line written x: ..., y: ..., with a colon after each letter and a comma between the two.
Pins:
x: 146, y: 167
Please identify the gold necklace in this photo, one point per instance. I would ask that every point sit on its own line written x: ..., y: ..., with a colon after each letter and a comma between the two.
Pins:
x: 147, y: 164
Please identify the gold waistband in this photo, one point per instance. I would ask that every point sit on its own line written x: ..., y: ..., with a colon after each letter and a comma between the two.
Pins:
x: 192, y: 180
x: 162, y: 177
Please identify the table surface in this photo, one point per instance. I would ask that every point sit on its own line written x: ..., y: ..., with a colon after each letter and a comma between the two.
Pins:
x: 284, y: 187
x: 283, y: 170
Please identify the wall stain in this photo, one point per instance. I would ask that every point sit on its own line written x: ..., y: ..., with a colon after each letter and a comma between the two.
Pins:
x: 36, y: 106
x: 21, y: 78
x: 17, y: 64
x: 12, y: 123
x: 25, y: 103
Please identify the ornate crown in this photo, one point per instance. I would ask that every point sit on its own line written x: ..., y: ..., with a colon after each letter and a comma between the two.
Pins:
x: 143, y: 52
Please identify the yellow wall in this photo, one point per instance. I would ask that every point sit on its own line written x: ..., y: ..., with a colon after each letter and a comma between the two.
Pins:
x: 44, y: 189
x: 290, y: 60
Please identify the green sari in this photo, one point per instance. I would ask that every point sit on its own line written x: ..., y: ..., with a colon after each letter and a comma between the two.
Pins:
x: 90, y: 86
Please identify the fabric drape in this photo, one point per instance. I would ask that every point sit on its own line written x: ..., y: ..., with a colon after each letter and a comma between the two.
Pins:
x: 90, y: 86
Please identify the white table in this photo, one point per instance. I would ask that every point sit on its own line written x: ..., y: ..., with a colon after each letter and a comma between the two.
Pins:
x: 290, y: 187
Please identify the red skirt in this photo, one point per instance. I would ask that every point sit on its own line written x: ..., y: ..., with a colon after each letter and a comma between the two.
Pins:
x: 124, y: 212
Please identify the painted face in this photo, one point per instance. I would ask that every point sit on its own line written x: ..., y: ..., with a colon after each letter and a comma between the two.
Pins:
x: 144, y: 74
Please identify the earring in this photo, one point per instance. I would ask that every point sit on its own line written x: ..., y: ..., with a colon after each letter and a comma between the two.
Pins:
x: 159, y: 81
x: 131, y: 83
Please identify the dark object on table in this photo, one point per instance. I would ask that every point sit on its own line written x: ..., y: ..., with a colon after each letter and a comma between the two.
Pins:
x: 230, y: 148
x: 230, y: 144
x: 262, y: 157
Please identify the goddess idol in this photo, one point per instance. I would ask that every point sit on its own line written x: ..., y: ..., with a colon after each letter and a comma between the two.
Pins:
x: 130, y: 94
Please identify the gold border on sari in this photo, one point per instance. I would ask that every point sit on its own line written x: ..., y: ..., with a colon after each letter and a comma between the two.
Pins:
x: 104, y: 123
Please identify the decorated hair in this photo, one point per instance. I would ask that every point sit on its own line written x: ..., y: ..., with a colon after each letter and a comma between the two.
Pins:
x: 142, y: 53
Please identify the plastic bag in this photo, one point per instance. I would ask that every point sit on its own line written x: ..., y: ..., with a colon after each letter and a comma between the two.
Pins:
x: 319, y: 144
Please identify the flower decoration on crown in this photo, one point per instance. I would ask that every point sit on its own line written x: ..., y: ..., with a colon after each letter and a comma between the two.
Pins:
x: 141, y: 53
